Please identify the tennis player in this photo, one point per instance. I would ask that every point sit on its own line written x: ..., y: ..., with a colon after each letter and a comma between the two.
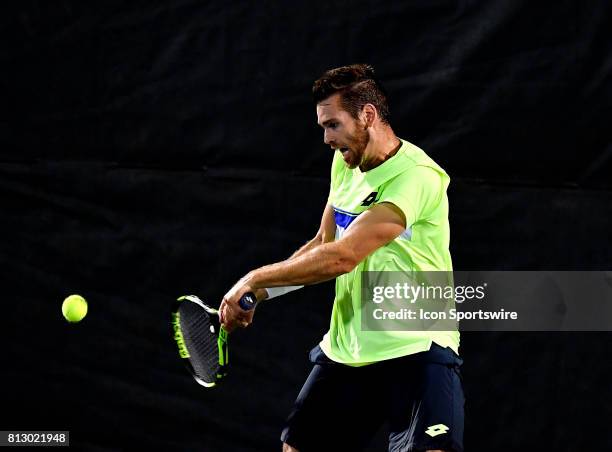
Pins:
x: 387, y: 211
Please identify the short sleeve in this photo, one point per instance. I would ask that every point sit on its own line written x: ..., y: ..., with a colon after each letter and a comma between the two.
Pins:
x: 415, y: 192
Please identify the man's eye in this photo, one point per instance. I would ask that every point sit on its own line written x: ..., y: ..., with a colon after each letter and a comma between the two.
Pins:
x: 333, y: 125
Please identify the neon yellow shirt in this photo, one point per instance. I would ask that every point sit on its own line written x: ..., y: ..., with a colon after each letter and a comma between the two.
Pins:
x: 413, y: 182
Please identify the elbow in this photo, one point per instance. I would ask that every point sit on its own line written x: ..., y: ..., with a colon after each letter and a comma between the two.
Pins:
x: 345, y: 261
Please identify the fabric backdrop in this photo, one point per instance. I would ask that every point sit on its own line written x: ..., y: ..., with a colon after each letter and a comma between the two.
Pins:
x: 151, y: 149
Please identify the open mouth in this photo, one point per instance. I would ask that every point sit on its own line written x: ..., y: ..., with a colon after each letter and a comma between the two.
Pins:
x: 346, y: 154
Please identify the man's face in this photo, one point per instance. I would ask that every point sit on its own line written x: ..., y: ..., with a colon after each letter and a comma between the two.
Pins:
x: 342, y: 131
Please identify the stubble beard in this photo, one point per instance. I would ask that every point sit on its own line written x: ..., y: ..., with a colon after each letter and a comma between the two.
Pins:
x: 358, y: 144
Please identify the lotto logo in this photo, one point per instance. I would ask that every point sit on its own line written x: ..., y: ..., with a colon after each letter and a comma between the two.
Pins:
x: 435, y: 430
x: 369, y: 199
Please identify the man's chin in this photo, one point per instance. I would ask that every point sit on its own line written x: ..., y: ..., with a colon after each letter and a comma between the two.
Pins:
x: 350, y: 164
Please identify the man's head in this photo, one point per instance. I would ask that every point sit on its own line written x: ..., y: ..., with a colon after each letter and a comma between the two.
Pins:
x: 351, y: 107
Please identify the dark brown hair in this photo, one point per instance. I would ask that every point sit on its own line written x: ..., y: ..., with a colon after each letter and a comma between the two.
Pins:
x: 357, y: 86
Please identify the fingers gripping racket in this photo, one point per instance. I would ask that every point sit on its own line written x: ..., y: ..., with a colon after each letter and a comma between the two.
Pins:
x: 200, y: 338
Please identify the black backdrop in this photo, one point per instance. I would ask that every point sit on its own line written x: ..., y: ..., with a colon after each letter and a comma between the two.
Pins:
x: 150, y: 149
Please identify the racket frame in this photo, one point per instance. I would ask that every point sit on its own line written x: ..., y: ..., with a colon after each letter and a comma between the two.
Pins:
x: 222, y: 338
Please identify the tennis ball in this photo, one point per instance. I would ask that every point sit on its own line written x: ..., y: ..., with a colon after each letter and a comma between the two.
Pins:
x: 74, y: 308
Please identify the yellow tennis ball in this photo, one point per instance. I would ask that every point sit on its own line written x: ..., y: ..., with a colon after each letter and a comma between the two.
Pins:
x: 74, y: 308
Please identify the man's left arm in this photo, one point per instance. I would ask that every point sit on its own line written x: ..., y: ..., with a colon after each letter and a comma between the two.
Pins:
x: 372, y: 229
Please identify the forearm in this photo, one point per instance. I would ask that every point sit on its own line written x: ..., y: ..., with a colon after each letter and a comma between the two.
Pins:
x: 320, y: 263
x: 308, y: 246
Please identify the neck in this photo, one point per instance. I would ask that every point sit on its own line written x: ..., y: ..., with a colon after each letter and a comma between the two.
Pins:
x: 382, y: 146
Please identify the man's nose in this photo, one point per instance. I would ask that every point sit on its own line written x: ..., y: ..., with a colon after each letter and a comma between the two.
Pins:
x: 327, y: 137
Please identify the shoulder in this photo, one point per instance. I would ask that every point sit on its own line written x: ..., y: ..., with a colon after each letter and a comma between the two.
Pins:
x: 417, y: 176
x: 413, y: 157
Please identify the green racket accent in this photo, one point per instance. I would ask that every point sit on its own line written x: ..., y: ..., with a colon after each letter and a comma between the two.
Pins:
x: 196, y: 328
x: 223, y: 351
x: 178, y: 335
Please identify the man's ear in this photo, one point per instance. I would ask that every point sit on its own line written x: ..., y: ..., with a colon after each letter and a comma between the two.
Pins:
x: 369, y: 115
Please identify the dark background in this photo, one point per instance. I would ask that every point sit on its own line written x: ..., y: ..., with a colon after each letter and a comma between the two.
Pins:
x: 151, y: 149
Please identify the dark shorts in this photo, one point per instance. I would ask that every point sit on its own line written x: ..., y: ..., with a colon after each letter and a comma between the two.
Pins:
x: 419, y: 396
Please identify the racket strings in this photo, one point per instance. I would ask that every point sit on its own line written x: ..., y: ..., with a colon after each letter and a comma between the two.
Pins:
x: 201, y: 340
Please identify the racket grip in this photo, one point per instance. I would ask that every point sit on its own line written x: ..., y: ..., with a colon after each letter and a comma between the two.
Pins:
x: 248, y: 301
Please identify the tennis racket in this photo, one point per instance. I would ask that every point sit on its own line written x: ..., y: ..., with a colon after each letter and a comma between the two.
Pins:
x: 200, y: 338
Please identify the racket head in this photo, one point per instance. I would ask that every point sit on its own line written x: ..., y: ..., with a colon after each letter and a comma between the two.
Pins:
x: 200, y: 339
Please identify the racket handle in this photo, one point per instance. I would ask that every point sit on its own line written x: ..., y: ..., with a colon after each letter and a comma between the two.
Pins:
x: 248, y: 301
